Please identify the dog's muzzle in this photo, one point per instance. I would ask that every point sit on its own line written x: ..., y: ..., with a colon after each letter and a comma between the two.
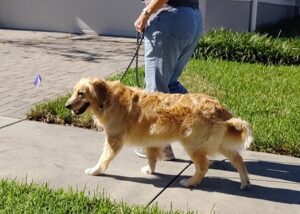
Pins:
x: 80, y: 110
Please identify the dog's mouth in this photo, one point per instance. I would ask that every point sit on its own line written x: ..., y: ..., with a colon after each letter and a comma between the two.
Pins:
x: 81, y: 109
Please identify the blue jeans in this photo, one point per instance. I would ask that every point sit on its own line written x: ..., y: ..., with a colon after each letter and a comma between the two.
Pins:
x: 170, y: 40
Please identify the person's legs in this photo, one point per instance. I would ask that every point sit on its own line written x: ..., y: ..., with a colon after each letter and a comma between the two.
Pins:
x: 158, y: 67
x: 174, y: 85
x: 177, y: 88
x: 161, y: 53
x: 170, y: 40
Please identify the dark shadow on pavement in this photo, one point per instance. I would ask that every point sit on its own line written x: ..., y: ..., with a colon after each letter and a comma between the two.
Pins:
x: 285, y: 171
x: 221, y: 185
x: 226, y: 186
x: 288, y: 172
x: 75, y: 49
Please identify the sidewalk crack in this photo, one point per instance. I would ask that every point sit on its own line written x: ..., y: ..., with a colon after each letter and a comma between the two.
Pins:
x: 10, y: 124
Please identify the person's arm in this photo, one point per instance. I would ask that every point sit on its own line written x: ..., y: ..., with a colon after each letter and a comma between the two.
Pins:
x: 153, y: 6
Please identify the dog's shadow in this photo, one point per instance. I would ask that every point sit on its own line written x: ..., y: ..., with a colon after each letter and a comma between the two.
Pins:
x: 286, y: 173
x: 289, y: 172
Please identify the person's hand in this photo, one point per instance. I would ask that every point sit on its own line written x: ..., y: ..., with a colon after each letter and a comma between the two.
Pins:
x: 140, y: 23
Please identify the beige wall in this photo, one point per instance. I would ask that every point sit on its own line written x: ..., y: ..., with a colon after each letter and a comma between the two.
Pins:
x: 231, y: 14
x: 116, y: 17
x: 270, y: 13
x: 240, y: 15
x: 112, y: 17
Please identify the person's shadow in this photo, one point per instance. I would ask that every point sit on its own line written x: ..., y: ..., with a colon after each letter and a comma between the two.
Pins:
x: 287, y: 173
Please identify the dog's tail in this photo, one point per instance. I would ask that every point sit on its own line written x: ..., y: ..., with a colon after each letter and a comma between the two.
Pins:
x: 238, y: 135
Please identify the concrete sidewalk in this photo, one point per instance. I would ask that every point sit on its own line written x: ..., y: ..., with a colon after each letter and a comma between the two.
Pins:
x: 59, y: 155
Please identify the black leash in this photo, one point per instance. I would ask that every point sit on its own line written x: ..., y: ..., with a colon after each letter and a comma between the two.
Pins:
x: 139, y: 41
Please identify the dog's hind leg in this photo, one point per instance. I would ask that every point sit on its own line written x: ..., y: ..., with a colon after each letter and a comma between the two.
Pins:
x: 201, y: 163
x: 237, y: 161
x: 111, y: 148
x: 153, y: 154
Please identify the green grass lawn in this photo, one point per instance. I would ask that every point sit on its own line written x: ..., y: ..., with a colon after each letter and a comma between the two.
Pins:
x: 16, y: 197
x: 54, y: 111
x: 267, y: 96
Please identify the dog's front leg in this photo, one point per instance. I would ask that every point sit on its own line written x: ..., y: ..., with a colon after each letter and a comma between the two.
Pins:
x: 111, y: 148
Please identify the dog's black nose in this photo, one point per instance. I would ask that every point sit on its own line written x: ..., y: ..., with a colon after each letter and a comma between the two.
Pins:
x: 68, y: 106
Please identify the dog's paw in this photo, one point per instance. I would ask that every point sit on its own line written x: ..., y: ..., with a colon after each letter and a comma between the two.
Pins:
x: 146, y: 170
x: 92, y: 171
x: 186, y: 183
x: 245, y: 186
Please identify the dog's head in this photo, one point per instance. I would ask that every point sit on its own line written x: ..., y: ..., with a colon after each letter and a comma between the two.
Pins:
x: 87, y: 94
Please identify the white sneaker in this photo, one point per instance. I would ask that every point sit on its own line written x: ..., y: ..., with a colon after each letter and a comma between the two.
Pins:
x: 168, y: 154
x: 140, y: 152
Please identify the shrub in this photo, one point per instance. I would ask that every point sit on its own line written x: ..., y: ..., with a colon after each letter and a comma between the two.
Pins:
x: 248, y: 47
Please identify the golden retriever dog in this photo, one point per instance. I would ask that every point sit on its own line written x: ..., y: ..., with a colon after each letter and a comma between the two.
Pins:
x: 131, y: 116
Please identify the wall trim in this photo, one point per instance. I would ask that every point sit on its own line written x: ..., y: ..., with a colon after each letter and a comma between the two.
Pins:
x: 279, y: 2
x: 254, y: 5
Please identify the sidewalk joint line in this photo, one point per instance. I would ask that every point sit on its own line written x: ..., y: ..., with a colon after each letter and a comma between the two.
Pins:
x: 169, y: 184
x: 19, y: 121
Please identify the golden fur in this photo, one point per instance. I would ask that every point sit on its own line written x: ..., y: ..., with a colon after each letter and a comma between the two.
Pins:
x: 152, y: 120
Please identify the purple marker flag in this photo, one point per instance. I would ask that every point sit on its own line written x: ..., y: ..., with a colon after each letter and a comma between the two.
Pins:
x: 37, y: 80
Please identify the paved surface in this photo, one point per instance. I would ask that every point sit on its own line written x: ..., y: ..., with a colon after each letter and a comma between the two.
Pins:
x: 61, y: 60
x: 59, y: 155
x: 275, y: 187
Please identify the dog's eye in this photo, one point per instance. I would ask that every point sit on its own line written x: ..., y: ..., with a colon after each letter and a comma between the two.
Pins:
x: 80, y: 93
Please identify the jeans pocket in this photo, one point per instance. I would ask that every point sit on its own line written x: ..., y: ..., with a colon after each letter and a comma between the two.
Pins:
x: 153, y: 27
x: 183, y: 25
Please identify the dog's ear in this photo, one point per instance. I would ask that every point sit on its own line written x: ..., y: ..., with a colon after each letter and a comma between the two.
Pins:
x: 101, y: 92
